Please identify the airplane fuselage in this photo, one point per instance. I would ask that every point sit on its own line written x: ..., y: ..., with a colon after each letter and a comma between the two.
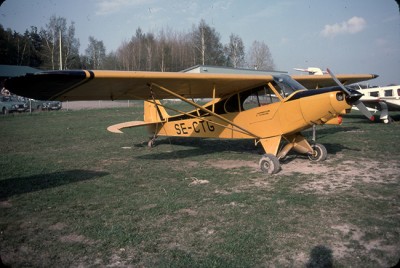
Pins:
x: 390, y: 95
x: 297, y: 112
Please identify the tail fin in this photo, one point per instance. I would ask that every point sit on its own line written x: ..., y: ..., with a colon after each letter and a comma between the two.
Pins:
x: 154, y: 112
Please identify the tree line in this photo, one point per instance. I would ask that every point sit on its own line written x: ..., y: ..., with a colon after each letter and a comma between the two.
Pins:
x: 55, y: 47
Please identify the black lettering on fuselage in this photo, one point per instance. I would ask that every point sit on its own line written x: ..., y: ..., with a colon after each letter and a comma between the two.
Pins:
x: 197, y: 126
x: 183, y: 127
x: 178, y: 130
x: 210, y: 127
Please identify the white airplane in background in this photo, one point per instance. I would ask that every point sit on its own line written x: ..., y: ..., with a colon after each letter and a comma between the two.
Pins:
x: 384, y: 99
x: 312, y: 70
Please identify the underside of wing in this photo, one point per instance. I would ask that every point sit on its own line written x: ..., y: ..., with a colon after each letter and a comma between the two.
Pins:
x: 118, y: 85
x: 319, y: 81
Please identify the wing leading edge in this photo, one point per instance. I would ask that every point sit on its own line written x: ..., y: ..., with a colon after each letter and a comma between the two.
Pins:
x: 122, y: 85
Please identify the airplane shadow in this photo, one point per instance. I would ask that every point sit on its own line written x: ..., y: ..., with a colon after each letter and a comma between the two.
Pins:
x: 197, y: 147
x: 320, y: 256
x: 22, y: 185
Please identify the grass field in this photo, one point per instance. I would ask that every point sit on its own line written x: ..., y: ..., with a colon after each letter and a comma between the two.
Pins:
x: 74, y: 195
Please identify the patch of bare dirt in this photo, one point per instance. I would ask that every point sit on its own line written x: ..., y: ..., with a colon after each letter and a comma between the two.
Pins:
x: 231, y: 164
x: 188, y: 211
x: 74, y: 238
x: 336, y: 175
x: 196, y: 181
x: 353, y: 233
x: 58, y: 226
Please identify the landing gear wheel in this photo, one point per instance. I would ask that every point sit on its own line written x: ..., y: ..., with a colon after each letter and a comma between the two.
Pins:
x: 319, y: 153
x: 150, y: 144
x: 388, y: 120
x: 269, y: 163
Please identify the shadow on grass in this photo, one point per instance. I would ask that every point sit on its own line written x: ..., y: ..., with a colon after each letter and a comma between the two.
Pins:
x: 22, y: 185
x: 190, y: 147
x: 320, y: 257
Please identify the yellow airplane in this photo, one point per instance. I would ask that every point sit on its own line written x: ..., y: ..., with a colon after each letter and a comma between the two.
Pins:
x: 270, y: 109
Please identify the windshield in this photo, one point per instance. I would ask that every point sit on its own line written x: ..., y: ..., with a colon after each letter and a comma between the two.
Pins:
x: 286, y: 85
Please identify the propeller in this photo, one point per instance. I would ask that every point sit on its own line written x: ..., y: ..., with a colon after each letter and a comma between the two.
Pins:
x: 353, y: 97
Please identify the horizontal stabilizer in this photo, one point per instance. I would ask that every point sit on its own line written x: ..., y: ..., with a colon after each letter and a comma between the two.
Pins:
x: 117, y: 128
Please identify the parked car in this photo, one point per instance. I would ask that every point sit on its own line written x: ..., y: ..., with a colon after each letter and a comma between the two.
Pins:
x: 10, y: 104
x: 51, y: 105
x: 38, y: 105
x: 33, y: 105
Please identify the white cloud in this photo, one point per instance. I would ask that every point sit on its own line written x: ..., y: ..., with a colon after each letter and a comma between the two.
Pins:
x: 352, y: 26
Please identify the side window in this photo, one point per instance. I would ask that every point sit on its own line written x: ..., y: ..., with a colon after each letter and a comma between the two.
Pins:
x: 388, y: 93
x: 374, y: 94
x: 398, y: 92
x: 260, y: 97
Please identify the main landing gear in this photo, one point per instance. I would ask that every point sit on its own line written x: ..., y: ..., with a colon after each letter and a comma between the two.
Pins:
x: 269, y: 162
x: 319, y: 153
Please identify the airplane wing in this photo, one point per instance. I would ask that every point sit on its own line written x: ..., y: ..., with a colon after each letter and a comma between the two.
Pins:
x: 319, y: 81
x: 116, y: 85
x: 122, y: 85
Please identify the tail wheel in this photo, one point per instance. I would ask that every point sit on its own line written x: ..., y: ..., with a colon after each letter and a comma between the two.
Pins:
x: 319, y: 153
x: 150, y: 143
x: 270, y: 164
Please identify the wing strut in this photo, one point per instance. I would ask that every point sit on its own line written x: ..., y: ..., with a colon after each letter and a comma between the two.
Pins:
x: 203, y: 109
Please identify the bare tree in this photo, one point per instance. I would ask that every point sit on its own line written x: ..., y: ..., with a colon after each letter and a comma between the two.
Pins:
x: 58, y: 37
x: 206, y: 42
x: 260, y: 57
x: 124, y: 56
x: 95, y: 54
x: 235, y: 51
x: 70, y: 48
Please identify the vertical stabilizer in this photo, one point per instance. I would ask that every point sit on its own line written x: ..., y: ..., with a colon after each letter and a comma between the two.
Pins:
x: 154, y: 111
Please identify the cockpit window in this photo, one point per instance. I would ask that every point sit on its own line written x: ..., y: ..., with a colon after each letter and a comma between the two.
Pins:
x: 259, y: 97
x: 286, y: 85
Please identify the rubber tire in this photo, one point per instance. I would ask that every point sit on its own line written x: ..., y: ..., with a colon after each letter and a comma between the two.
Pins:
x: 269, y: 163
x: 321, y: 153
x: 150, y: 143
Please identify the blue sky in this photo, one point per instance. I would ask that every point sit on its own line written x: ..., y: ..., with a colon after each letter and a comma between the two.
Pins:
x: 348, y: 36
